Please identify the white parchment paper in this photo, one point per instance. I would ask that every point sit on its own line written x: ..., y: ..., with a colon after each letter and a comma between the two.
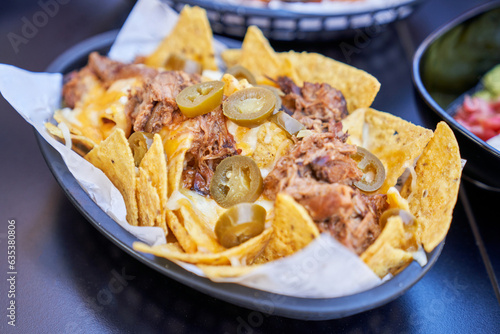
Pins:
x: 325, y: 269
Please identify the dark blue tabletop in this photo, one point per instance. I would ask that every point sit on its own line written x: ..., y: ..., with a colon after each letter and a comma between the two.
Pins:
x: 70, y: 278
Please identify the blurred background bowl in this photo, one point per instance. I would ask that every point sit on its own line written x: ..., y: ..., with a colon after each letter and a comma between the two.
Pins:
x: 299, y: 21
x: 451, y: 62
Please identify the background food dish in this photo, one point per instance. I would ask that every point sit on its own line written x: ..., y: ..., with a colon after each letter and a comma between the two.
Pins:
x: 445, y: 68
x: 300, y: 21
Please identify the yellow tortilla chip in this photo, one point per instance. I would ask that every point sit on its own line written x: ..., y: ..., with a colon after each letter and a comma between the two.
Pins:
x: 176, y: 143
x: 293, y: 229
x: 388, y: 253
x: 114, y: 157
x: 272, y: 143
x: 354, y: 125
x: 217, y: 272
x: 243, y: 254
x: 258, y: 57
x: 358, y: 87
x: 80, y: 144
x: 180, y: 233
x: 191, y: 37
x: 152, y: 186
x: 231, y: 57
x: 199, y: 231
x: 148, y: 202
x: 435, y: 193
x: 396, y: 142
x: 396, y: 201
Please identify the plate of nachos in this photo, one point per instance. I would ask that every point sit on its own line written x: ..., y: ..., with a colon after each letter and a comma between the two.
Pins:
x: 271, y: 181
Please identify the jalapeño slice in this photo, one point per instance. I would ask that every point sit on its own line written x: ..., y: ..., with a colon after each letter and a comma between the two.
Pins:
x: 201, y: 98
x: 240, y: 72
x: 250, y: 107
x: 140, y: 142
x: 237, y: 179
x: 240, y: 223
x: 278, y: 94
x: 373, y: 170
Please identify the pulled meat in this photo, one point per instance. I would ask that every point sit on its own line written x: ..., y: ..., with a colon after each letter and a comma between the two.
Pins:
x: 319, y: 157
x: 212, y: 143
x: 108, y: 70
x: 76, y: 85
x: 318, y: 173
x: 153, y: 106
x: 314, y: 105
x: 100, y: 69
x: 355, y: 224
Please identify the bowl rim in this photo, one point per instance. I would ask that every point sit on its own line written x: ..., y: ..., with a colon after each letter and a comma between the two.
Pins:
x: 417, y: 80
x: 287, y: 13
x: 258, y: 300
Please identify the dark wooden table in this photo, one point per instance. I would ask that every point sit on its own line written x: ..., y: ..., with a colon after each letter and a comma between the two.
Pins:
x: 68, y: 272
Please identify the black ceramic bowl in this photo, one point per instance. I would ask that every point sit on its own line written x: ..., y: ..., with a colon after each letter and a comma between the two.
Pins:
x: 292, y: 307
x: 451, y: 62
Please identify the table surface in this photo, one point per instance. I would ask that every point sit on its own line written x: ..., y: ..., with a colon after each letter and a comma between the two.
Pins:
x: 65, y: 266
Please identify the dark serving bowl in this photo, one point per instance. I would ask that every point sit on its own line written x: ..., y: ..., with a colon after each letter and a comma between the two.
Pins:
x: 451, y: 62
x: 308, y: 22
x: 292, y: 307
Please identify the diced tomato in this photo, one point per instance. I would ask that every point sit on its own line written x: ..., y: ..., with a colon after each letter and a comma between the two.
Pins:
x: 479, y: 116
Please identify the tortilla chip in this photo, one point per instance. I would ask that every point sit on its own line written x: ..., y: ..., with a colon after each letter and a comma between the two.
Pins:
x: 272, y: 143
x: 396, y: 201
x: 353, y: 125
x: 387, y: 254
x: 218, y: 272
x: 191, y: 37
x: 293, y: 229
x: 242, y: 254
x: 396, y: 142
x: 148, y: 202
x: 180, y: 233
x: 435, y: 193
x: 80, y: 144
x: 231, y: 57
x: 358, y: 87
x: 198, y: 230
x: 114, y: 157
x: 152, y: 186
x: 258, y: 57
x: 176, y: 143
